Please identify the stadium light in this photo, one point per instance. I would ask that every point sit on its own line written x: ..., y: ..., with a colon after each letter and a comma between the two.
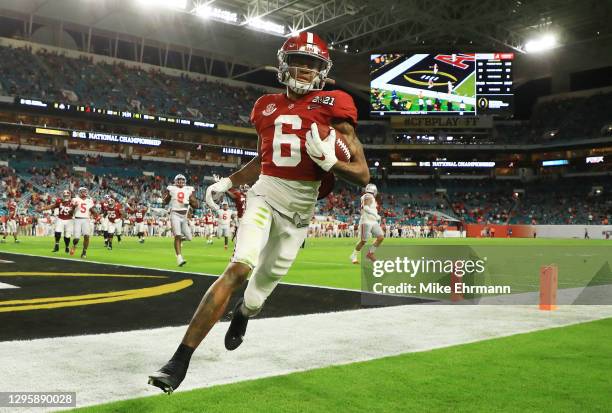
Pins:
x: 546, y: 42
x: 169, y: 4
x: 215, y: 13
x: 266, y: 26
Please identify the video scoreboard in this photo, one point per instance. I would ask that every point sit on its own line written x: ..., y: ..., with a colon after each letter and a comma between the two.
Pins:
x: 451, y: 84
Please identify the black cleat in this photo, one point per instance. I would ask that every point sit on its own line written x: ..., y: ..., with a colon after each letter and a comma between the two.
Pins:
x: 67, y: 250
x: 237, y: 329
x: 84, y: 255
x: 170, y: 376
x: 56, y: 248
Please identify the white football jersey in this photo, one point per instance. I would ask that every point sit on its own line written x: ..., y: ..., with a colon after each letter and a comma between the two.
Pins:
x: 224, y: 217
x: 83, y: 207
x: 179, y: 197
x: 365, y: 216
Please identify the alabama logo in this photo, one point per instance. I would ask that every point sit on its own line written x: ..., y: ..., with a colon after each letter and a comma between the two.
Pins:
x: 270, y: 109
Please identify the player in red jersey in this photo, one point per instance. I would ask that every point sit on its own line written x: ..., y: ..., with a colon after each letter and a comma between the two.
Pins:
x: 139, y: 218
x: 12, y: 219
x: 113, y: 213
x: 291, y: 160
x: 239, y: 198
x: 209, y: 222
x: 63, y: 223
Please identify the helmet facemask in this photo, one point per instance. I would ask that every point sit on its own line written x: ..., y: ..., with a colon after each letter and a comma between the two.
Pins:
x: 293, y: 65
x: 180, y: 180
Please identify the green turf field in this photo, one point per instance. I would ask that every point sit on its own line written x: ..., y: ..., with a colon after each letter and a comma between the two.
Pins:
x: 466, y: 88
x: 415, y: 102
x: 558, y: 370
x: 323, y: 262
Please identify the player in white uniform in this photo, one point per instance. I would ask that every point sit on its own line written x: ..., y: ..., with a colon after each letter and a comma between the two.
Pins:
x: 83, y: 209
x: 224, y: 217
x: 369, y: 223
x: 180, y: 197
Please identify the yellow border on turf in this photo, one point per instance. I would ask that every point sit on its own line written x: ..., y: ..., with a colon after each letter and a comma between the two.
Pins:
x: 89, y: 299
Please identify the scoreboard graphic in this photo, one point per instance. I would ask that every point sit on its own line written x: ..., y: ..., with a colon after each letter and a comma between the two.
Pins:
x: 464, y: 84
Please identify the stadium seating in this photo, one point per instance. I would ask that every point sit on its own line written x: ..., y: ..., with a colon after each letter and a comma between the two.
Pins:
x: 41, y: 175
x: 54, y: 77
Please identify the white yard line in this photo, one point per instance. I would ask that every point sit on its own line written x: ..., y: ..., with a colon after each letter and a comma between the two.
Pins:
x: 108, y: 367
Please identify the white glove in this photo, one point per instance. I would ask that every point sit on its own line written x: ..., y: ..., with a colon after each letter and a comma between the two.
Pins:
x: 322, y: 152
x: 218, y: 187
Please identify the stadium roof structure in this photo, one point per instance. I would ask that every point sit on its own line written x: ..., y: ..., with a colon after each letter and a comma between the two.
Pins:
x: 248, y: 32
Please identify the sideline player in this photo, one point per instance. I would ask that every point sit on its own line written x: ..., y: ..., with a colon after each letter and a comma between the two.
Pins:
x: 114, y: 214
x: 83, y: 210
x: 224, y: 216
x: 139, y: 216
x: 64, y: 223
x: 291, y: 160
x: 239, y: 198
x: 104, y: 218
x: 369, y: 223
x: 210, y: 227
x: 180, y: 197
x: 11, y: 220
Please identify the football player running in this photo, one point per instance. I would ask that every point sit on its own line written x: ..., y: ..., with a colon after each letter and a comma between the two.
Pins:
x: 288, y: 169
x: 180, y: 197
x: 139, y: 215
x: 224, y: 217
x: 63, y: 223
x: 11, y: 220
x: 369, y: 224
x: 115, y: 223
x: 238, y: 195
x: 83, y: 210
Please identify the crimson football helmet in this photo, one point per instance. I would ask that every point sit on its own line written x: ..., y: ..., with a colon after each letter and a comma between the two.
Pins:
x: 304, y: 44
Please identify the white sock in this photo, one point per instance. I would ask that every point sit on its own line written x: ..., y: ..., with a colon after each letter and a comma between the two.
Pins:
x: 372, y: 249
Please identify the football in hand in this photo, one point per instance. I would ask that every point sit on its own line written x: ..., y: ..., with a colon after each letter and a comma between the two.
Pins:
x: 342, y: 149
